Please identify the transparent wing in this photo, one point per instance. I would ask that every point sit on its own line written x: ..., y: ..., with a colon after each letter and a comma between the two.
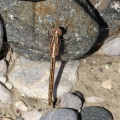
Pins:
x: 36, y: 51
x: 41, y: 53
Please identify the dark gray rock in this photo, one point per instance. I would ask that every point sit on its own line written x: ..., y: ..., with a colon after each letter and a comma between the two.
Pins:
x: 1, y: 35
x: 28, y: 24
x: 60, y: 114
x: 71, y: 101
x: 95, y: 113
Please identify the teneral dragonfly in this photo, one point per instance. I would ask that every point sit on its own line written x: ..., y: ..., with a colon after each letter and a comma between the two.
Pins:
x: 54, y: 50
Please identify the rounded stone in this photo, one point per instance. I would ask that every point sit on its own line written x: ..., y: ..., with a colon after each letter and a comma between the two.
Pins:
x: 31, y: 115
x: 28, y: 25
x: 60, y: 114
x: 5, y: 95
x: 71, y: 101
x: 112, y: 47
x: 95, y: 113
x: 32, y: 78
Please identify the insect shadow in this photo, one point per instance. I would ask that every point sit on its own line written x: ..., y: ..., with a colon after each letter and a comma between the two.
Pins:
x: 103, y: 33
x: 5, y: 45
x: 103, y: 27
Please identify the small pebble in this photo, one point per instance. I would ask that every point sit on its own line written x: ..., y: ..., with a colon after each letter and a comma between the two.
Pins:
x: 94, y: 99
x: 107, y: 84
x: 60, y: 114
x: 31, y: 115
x: 84, y: 60
x: 3, y: 79
x: 5, y: 95
x: 9, y: 85
x: 99, y: 70
x: 119, y: 70
x: 21, y: 106
x: 95, y: 113
x: 71, y: 101
x: 106, y: 67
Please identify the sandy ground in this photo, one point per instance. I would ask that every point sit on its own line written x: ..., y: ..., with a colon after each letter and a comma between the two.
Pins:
x: 98, y: 76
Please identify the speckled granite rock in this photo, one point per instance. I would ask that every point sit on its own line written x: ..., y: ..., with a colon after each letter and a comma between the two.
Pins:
x: 28, y: 24
x: 1, y: 35
x: 32, y: 77
x: 110, y: 11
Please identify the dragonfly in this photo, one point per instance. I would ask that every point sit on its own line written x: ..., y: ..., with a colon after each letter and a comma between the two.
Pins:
x: 54, y: 50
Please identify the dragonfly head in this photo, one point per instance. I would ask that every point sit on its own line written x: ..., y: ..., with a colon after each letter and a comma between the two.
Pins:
x: 56, y: 32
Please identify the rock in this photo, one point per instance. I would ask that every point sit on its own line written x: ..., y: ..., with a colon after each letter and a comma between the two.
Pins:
x: 3, y: 68
x: 107, y: 84
x: 112, y: 47
x: 27, y: 26
x: 3, y: 79
x: 110, y: 12
x: 32, y: 77
x: 71, y: 101
x: 5, y: 95
x: 3, y: 71
x: 1, y: 34
x: 21, y: 106
x: 99, y: 70
x: 94, y: 99
x: 95, y: 113
x: 101, y: 4
x: 31, y: 115
x: 9, y: 85
x: 19, y: 118
x: 7, y: 119
x: 60, y: 114
x: 107, y: 67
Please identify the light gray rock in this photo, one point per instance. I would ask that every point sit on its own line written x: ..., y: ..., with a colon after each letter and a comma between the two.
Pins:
x: 112, y: 47
x: 31, y: 115
x: 32, y: 77
x: 71, y: 101
x: 3, y: 68
x: 60, y: 114
x: 5, y: 95
x: 3, y: 71
x: 9, y: 85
